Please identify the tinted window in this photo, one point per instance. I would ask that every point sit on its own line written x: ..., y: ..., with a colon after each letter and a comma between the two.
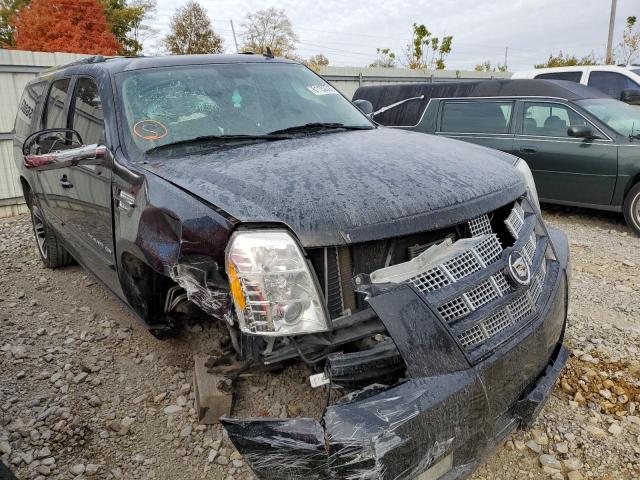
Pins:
x: 88, y: 118
x: 26, y: 109
x: 54, y: 111
x: 549, y: 119
x: 476, y: 117
x: 571, y: 76
x: 611, y: 83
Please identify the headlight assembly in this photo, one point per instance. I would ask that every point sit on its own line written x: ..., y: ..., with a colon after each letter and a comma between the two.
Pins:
x: 524, y: 170
x: 273, y: 290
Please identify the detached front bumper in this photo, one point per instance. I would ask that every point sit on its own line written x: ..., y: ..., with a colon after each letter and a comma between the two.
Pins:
x: 441, y: 422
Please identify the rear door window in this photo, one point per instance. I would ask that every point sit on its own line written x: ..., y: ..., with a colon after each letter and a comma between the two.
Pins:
x: 88, y: 117
x: 54, y: 116
x: 611, y: 83
x: 570, y: 76
x: 549, y: 119
x: 27, y: 107
x: 476, y: 117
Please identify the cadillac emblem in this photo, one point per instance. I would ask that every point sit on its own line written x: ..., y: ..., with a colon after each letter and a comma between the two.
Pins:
x: 518, y: 269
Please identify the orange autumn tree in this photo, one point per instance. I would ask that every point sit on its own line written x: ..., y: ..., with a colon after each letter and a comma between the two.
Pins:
x: 76, y: 26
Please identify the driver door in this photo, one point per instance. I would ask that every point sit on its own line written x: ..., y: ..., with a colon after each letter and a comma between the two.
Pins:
x: 566, y: 169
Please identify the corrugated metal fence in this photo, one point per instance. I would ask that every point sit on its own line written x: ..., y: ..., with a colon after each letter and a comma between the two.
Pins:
x: 18, y: 67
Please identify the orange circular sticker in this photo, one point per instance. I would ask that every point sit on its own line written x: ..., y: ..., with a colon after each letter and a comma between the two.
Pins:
x: 150, y: 130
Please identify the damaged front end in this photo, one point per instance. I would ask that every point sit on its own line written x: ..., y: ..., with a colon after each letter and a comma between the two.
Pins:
x: 439, y: 347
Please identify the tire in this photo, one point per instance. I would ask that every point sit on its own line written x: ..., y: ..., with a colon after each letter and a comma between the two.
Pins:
x: 631, y: 208
x: 52, y: 253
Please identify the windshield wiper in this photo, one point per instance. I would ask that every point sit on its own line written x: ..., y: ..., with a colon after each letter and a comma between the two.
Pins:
x: 318, y: 126
x: 216, y: 139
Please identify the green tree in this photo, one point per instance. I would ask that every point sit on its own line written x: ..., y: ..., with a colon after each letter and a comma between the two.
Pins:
x: 9, y: 9
x: 562, y: 60
x: 427, y: 51
x: 191, y: 32
x: 630, y: 44
x: 486, y: 66
x: 385, y: 58
x: 269, y: 28
x: 125, y: 20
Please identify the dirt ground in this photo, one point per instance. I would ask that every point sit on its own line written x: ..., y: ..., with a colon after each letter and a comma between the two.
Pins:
x: 85, y: 391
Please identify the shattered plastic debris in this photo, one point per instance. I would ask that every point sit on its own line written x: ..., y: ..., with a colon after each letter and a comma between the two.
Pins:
x: 194, y: 278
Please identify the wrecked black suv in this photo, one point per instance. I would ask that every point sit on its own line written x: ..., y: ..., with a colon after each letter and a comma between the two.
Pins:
x: 410, y: 272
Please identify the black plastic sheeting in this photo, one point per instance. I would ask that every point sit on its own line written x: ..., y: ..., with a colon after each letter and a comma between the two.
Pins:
x: 445, y: 407
x: 409, y: 113
x: 314, y: 185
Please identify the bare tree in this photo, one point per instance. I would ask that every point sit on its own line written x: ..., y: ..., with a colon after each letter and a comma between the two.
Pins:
x: 317, y: 61
x: 191, y: 32
x: 269, y: 28
x: 630, y: 44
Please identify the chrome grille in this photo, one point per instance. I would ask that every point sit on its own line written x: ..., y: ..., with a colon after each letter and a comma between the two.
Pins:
x: 515, y: 220
x: 431, y: 280
x: 489, y: 250
x: 451, y: 261
x: 480, y: 226
x: 511, y: 314
x: 462, y: 265
x: 529, y: 249
x: 483, y: 253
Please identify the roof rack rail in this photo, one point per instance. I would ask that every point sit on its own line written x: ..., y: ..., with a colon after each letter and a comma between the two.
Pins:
x: 81, y: 61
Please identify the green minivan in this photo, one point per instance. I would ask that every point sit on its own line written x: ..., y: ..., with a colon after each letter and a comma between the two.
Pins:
x: 582, y: 146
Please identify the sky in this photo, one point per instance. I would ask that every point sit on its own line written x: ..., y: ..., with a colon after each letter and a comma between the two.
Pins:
x: 348, y: 33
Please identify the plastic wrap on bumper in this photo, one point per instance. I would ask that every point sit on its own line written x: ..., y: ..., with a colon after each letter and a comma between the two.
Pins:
x: 447, y: 408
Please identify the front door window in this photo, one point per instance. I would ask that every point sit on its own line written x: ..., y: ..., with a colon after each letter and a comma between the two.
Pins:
x: 549, y: 119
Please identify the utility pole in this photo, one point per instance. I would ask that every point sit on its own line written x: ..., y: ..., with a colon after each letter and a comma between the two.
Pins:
x: 234, y: 36
x: 612, y: 20
x: 506, y: 51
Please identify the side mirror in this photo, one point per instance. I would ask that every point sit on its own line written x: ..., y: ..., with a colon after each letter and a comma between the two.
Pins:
x: 51, y: 140
x: 630, y: 96
x: 365, y: 106
x: 580, y: 131
x: 59, y: 148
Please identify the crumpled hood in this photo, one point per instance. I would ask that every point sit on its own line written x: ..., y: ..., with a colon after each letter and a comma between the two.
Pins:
x: 348, y: 187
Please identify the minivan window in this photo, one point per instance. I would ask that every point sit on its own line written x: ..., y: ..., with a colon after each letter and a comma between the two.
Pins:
x: 611, y: 83
x: 476, y: 117
x: 570, y: 76
x: 88, y: 118
x: 27, y: 107
x: 54, y: 109
x: 174, y: 104
x: 549, y: 119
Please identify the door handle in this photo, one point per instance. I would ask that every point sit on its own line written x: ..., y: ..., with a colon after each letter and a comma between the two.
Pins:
x: 528, y: 149
x: 64, y: 181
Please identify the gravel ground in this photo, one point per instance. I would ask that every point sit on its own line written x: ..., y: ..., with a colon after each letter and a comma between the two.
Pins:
x: 85, y: 391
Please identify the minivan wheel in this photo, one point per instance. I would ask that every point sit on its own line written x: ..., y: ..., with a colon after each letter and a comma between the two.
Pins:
x: 51, y: 251
x: 631, y: 208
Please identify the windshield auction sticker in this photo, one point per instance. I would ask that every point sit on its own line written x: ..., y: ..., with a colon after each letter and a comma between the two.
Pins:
x: 322, y: 89
x: 150, y: 130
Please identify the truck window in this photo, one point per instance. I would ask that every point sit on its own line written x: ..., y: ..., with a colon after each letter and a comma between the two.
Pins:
x: 611, y: 83
x: 54, y: 109
x: 570, y: 76
x: 549, y: 119
x: 27, y: 107
x: 88, y: 118
x: 476, y: 117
